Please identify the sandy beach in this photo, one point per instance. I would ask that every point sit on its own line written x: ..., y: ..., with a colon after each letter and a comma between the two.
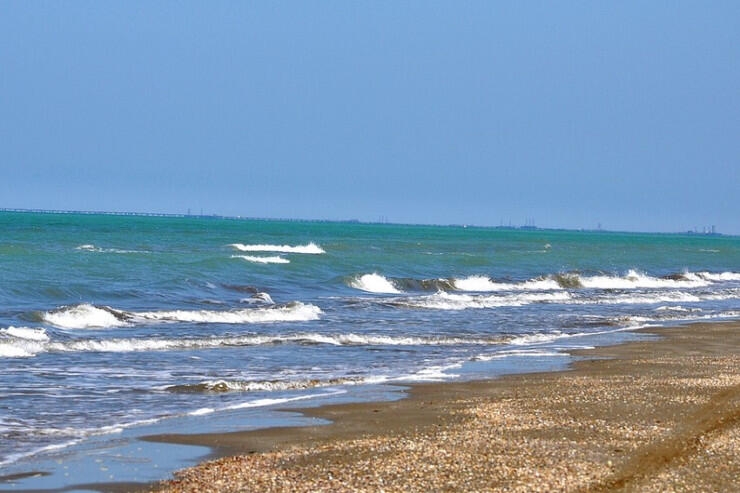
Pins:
x: 650, y: 416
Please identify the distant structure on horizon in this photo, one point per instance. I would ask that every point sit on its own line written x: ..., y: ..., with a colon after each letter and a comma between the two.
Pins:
x: 529, y: 224
x: 705, y: 230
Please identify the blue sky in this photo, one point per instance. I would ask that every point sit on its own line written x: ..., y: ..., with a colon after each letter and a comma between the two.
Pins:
x: 572, y: 113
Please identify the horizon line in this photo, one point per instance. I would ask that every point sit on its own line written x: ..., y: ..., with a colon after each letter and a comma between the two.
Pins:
x: 525, y: 227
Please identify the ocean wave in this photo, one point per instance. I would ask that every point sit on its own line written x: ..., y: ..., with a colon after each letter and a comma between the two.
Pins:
x: 86, y: 316
x: 221, y: 386
x: 458, y: 301
x: 484, y: 284
x: 96, y: 249
x: 668, y: 317
x: 635, y: 279
x: 310, y: 248
x: 719, y: 276
x: 26, y: 333
x: 263, y: 260
x: 258, y: 298
x: 678, y: 309
x: 533, y: 353
x: 20, y: 348
x: 374, y: 283
x: 632, y: 280
x: 431, y: 374
x: 643, y: 298
x: 292, y: 312
x: 26, y: 348
x: 548, y: 337
x: 22, y: 342
x: 452, y: 301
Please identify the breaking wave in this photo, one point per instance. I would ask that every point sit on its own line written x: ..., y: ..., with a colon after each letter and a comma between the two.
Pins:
x: 452, y: 301
x: 633, y: 279
x: 220, y: 386
x: 27, y: 333
x: 483, y: 284
x: 263, y: 260
x: 310, y: 248
x: 96, y: 249
x: 22, y: 342
x: 458, y: 301
x: 292, y: 312
x: 15, y: 348
x: 374, y: 283
x: 86, y: 316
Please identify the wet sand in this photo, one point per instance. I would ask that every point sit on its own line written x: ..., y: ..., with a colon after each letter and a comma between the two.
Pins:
x: 650, y: 416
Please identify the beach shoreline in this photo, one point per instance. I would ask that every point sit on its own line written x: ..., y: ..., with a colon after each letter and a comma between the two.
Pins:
x: 636, y: 416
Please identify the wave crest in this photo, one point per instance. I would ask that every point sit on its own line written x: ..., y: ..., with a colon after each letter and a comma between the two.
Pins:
x: 26, y: 348
x: 221, y: 386
x: 374, y: 283
x: 452, y: 301
x: 86, y: 316
x: 310, y: 248
x: 292, y: 312
x: 263, y: 260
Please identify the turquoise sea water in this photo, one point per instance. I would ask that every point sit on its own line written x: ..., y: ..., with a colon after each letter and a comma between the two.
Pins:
x: 110, y: 324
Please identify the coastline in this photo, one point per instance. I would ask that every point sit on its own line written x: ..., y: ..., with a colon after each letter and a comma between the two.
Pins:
x: 651, y: 415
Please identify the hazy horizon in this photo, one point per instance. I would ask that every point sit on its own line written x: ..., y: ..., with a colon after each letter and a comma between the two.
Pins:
x: 703, y: 230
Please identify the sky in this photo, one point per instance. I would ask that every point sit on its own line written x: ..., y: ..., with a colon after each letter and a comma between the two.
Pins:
x: 570, y: 114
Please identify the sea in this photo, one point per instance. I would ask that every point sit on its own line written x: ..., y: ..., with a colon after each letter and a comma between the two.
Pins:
x: 116, y: 326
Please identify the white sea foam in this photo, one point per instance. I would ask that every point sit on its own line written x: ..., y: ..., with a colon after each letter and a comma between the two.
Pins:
x: 528, y: 339
x: 85, y: 316
x: 485, y: 284
x: 259, y: 298
x: 20, y: 348
x: 261, y: 385
x: 374, y: 283
x: 275, y: 402
x: 643, y: 299
x: 310, y: 248
x: 263, y: 260
x: 452, y: 301
x: 10, y: 459
x: 32, y: 334
x: 202, y: 411
x: 25, y: 348
x: 432, y: 374
x: 92, y: 248
x: 534, y: 353
x: 720, y: 276
x: 677, y: 308
x: 544, y: 338
x: 293, y: 312
x: 378, y: 340
x: 22, y: 342
x: 634, y: 280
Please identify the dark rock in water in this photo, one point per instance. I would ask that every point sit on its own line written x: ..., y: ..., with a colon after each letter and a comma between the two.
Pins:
x: 122, y: 316
x: 241, y: 289
x: 674, y: 277
x: 568, y: 280
x: 408, y: 284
